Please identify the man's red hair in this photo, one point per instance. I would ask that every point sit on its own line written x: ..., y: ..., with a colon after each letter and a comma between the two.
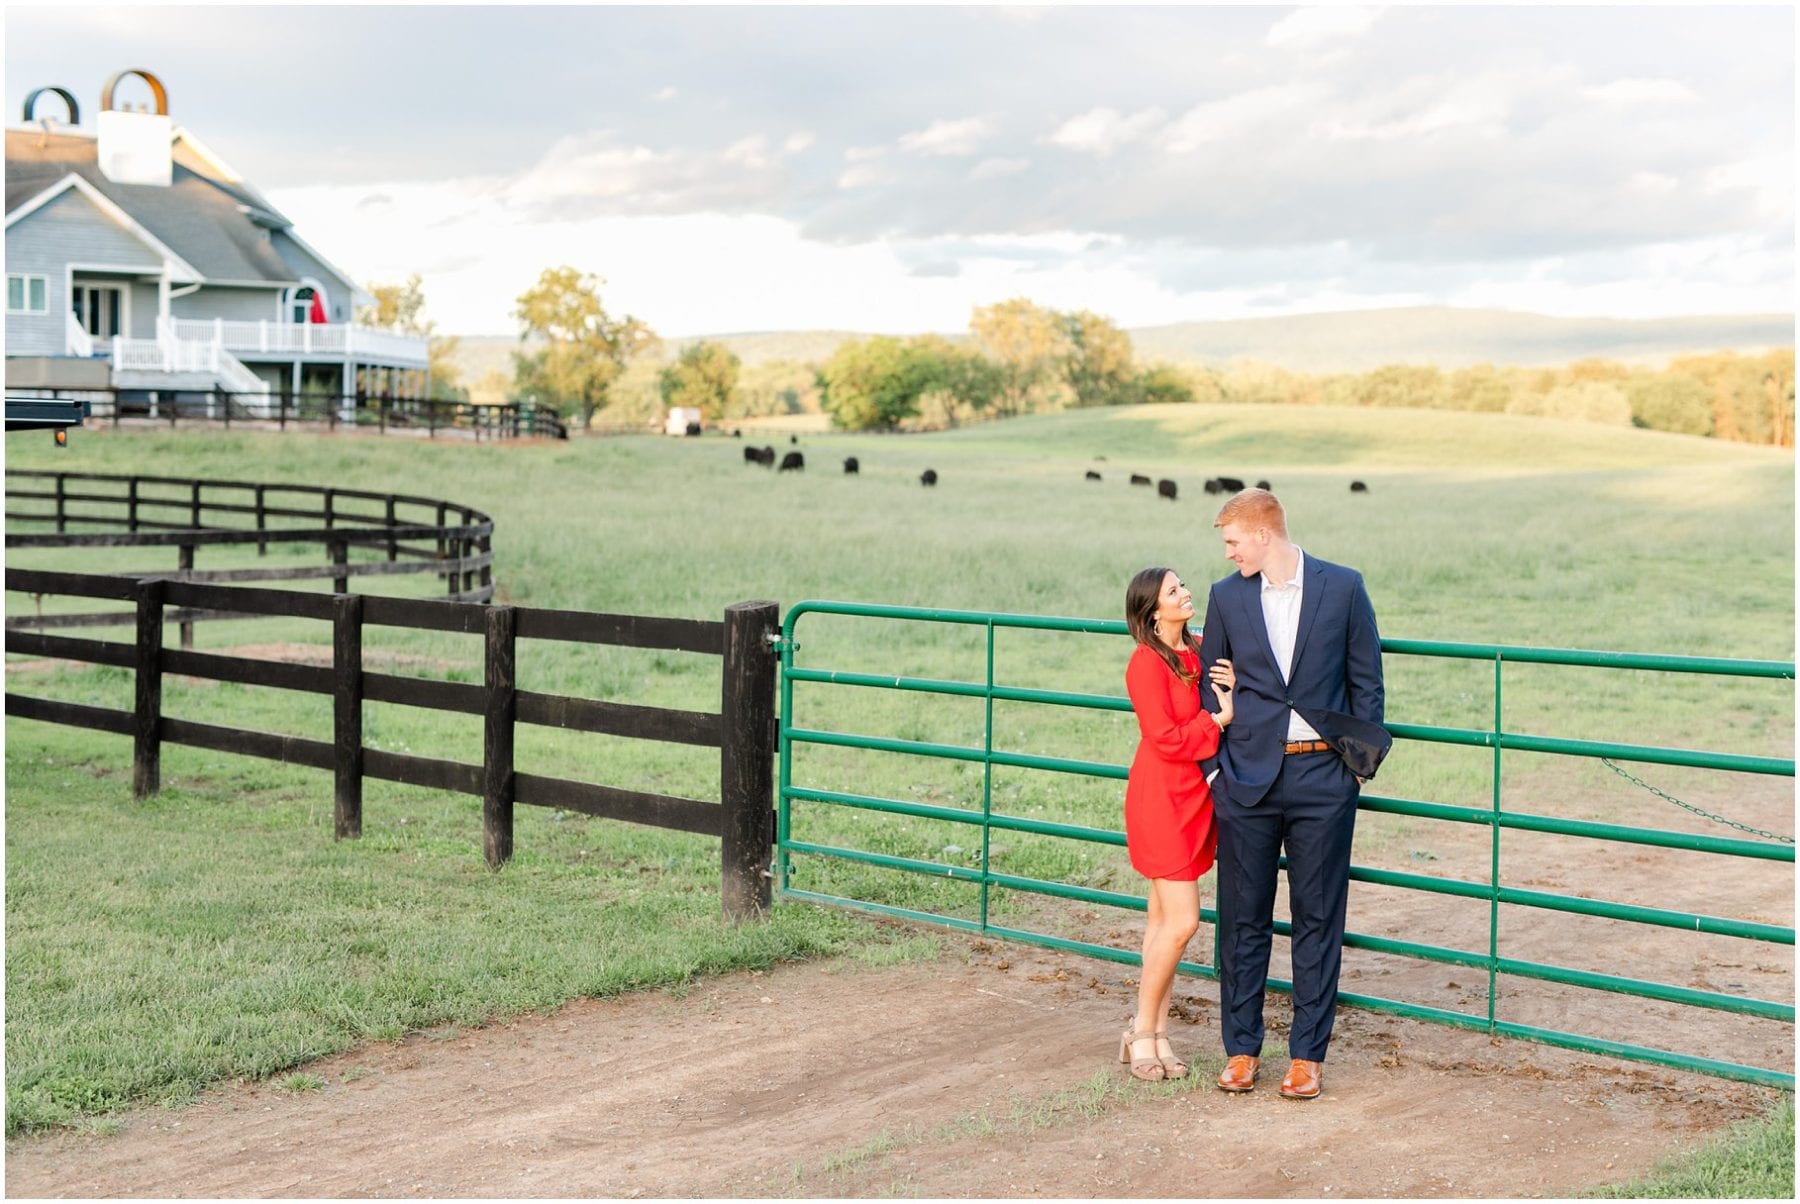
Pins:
x: 1253, y: 509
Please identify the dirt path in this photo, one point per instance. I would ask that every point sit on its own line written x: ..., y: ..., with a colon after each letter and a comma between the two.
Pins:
x: 987, y: 1072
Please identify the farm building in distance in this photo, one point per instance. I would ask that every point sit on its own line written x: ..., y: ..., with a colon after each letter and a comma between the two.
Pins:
x: 137, y: 259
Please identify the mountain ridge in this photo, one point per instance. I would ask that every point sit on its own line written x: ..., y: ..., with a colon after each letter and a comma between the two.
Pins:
x: 1341, y: 341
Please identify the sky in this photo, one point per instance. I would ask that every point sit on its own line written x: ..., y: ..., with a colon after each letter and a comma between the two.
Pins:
x: 733, y: 169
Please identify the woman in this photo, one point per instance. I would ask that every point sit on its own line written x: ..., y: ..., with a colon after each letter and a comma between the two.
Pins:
x: 1169, y: 829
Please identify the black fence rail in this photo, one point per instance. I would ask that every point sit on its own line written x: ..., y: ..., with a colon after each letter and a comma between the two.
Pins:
x: 280, y: 409
x: 416, y: 534
x: 743, y: 729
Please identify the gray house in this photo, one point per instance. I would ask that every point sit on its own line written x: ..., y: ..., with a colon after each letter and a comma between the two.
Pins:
x: 137, y: 259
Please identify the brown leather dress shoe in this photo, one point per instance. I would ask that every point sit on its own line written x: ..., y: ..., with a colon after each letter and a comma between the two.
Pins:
x: 1302, y: 1081
x: 1239, y: 1073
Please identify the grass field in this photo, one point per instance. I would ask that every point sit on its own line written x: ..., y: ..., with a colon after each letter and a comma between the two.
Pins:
x: 218, y: 931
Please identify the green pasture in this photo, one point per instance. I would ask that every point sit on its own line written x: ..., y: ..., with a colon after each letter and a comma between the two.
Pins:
x: 219, y: 931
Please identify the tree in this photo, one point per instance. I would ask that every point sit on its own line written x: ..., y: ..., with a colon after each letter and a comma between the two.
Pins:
x: 875, y: 383
x: 703, y: 376
x: 1027, y: 342
x: 400, y: 308
x: 1096, y: 359
x: 584, y: 349
x: 963, y: 383
x: 1161, y: 385
x: 1664, y: 401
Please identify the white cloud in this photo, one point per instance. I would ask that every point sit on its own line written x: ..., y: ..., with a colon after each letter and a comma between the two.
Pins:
x: 1641, y: 91
x: 1242, y: 114
x: 796, y: 142
x: 1308, y: 28
x: 860, y: 176
x: 962, y: 136
x: 668, y: 93
x: 1102, y: 131
x: 993, y: 169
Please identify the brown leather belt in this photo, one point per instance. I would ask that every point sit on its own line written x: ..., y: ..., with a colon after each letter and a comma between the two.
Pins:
x: 1306, y: 746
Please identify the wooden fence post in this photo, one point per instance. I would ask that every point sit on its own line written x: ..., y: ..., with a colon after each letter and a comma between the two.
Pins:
x: 262, y: 522
x: 393, y: 549
x: 185, y: 561
x: 146, y: 738
x: 194, y: 508
x: 747, y: 758
x: 497, y: 736
x: 131, y: 504
x: 61, y: 502
x: 340, y: 556
x: 347, y: 699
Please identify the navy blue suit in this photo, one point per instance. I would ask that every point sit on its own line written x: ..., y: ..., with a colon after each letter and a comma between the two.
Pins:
x: 1264, y: 799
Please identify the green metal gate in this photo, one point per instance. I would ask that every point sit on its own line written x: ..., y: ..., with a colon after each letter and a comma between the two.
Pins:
x: 983, y: 878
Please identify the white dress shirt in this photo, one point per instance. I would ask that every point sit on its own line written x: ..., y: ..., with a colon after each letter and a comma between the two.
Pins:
x: 1281, y: 616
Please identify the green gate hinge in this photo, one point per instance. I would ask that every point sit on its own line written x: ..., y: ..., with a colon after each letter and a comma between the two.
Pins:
x: 779, y: 645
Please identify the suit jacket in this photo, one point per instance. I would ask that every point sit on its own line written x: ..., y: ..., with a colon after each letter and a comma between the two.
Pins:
x: 1337, y: 667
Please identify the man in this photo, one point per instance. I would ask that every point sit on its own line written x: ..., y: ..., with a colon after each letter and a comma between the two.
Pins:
x: 1301, y: 633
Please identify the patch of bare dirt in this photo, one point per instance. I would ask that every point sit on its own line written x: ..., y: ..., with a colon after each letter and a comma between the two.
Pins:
x: 834, y: 1079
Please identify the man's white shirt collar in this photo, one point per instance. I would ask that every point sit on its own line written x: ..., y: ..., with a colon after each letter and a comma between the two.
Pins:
x: 1291, y: 582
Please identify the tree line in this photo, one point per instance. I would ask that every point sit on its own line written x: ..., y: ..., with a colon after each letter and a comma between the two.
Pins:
x: 1021, y: 358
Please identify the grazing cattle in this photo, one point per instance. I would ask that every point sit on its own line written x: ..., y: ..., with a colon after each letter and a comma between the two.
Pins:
x: 1230, y: 485
x: 1264, y: 485
x: 1138, y: 478
x: 753, y: 455
x: 1166, y: 488
x: 1212, y: 484
x: 693, y: 428
x: 1358, y: 487
x: 1092, y: 475
x: 736, y: 434
x: 793, y: 438
x: 928, y: 477
x: 793, y: 460
x: 851, y: 467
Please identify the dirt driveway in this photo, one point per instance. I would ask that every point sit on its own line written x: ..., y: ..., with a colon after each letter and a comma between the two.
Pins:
x: 985, y: 1072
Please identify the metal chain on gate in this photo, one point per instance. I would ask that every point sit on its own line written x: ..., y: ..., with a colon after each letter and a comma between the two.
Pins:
x: 1717, y: 819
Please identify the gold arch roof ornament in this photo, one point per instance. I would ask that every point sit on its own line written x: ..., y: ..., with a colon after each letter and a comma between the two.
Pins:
x: 156, y: 86
x: 68, y: 98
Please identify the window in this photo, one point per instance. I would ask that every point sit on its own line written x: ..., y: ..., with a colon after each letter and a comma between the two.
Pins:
x: 27, y: 294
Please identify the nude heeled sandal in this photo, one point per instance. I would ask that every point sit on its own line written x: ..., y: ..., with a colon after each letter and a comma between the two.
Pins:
x: 1173, y: 1066
x: 1149, y: 1069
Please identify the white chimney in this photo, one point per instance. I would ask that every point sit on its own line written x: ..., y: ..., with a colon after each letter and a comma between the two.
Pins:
x: 135, y: 148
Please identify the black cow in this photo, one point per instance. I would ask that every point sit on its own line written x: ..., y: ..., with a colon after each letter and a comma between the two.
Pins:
x: 1264, y: 485
x: 1230, y: 485
x: 793, y: 439
x: 851, y: 467
x: 1138, y: 478
x: 753, y: 455
x: 793, y: 460
x: 1166, y: 488
x: 693, y: 428
x: 1212, y: 485
x: 928, y: 477
x: 736, y: 434
x: 1092, y: 475
x: 1358, y: 487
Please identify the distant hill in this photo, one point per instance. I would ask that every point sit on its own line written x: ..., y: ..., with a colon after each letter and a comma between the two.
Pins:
x: 1336, y: 342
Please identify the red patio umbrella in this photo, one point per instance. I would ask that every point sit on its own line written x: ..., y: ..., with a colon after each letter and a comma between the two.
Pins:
x: 317, y: 316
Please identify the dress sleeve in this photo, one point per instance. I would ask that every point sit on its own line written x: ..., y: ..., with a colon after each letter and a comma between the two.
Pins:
x: 1147, y: 682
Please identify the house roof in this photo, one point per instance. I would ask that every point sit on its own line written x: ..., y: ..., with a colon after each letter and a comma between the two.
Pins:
x: 220, y: 226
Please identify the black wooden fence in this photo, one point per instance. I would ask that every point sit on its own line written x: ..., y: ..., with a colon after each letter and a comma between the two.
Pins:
x: 417, y: 534
x: 743, y: 729
x: 281, y: 409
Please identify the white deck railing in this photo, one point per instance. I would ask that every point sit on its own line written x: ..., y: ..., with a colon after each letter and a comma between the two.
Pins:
x: 170, y: 353
x: 78, y: 341
x: 306, y: 338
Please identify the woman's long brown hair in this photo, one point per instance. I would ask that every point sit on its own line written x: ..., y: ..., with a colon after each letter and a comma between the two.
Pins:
x: 1141, y: 597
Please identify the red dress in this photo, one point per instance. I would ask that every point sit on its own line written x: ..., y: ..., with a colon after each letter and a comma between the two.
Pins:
x: 1169, y: 830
